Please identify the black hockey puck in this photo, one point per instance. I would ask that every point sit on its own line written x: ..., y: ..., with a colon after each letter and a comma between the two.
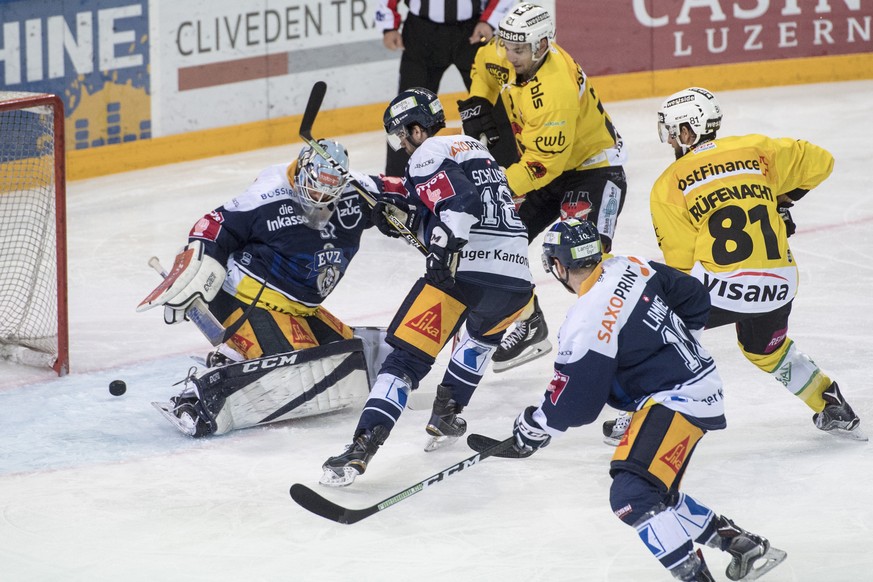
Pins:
x: 117, y: 387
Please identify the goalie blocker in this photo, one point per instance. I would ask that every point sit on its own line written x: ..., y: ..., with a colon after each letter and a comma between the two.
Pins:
x: 279, y: 387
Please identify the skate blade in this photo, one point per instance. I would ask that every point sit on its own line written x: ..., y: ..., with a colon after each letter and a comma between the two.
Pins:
x: 532, y: 353
x: 166, y: 410
x: 855, y: 434
x: 612, y: 441
x: 772, y: 558
x: 331, y: 479
x: 439, y: 442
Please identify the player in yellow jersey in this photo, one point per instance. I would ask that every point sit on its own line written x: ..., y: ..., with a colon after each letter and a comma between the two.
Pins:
x: 720, y: 212
x: 570, y: 154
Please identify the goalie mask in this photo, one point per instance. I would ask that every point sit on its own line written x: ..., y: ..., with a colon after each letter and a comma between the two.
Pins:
x: 573, y: 243
x: 695, y: 106
x: 318, y: 183
x: 416, y: 106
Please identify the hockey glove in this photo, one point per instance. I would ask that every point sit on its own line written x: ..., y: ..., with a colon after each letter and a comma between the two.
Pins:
x: 478, y: 121
x: 529, y: 435
x: 785, y: 214
x: 194, y: 275
x: 173, y: 316
x: 442, y: 260
x: 399, y: 209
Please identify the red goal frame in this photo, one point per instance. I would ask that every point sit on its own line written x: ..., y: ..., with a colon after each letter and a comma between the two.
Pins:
x: 62, y: 363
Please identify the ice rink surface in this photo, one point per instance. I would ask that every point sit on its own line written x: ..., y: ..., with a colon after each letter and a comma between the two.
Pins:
x: 95, y: 487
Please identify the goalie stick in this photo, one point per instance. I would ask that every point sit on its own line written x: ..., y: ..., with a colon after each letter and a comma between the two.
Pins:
x: 316, y: 96
x: 315, y: 503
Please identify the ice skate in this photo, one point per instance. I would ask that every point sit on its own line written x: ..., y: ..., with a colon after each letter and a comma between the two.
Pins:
x: 187, y: 413
x: 752, y: 556
x: 838, y: 418
x: 528, y: 341
x: 613, y: 430
x: 444, y: 426
x: 341, y: 471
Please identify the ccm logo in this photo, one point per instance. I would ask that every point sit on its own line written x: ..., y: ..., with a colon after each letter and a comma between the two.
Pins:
x: 269, y: 363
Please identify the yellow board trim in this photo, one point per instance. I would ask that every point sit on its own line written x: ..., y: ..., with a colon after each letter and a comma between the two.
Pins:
x: 111, y: 159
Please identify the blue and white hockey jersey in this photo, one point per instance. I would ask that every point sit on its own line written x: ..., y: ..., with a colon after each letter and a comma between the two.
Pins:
x: 260, y: 236
x: 457, y: 182
x: 626, y: 340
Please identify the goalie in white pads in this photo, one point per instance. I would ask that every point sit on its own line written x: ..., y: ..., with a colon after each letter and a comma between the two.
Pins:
x: 629, y: 341
x: 263, y: 263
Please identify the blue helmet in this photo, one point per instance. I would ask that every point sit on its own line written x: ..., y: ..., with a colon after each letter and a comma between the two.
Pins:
x: 416, y: 106
x: 318, y: 183
x: 573, y: 243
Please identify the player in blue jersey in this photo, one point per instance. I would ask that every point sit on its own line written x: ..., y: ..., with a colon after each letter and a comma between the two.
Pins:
x: 264, y: 262
x: 477, y: 277
x: 629, y: 341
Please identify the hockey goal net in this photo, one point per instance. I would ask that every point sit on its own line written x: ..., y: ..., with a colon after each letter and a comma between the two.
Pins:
x: 33, y: 264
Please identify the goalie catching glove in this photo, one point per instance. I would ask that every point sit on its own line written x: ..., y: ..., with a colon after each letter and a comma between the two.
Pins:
x: 442, y: 260
x: 529, y: 435
x: 195, y: 275
x: 399, y: 209
x: 477, y: 120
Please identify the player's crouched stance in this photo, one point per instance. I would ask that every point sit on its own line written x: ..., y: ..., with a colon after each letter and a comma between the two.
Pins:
x: 476, y: 282
x: 252, y: 277
x: 642, y: 356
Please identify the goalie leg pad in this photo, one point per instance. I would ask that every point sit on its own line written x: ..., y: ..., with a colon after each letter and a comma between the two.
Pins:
x: 285, y: 386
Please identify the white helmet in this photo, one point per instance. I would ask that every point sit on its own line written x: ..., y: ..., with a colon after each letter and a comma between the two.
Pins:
x: 527, y: 23
x: 318, y: 183
x: 695, y: 106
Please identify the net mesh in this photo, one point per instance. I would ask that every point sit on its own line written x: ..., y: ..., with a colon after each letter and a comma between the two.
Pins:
x: 28, y: 256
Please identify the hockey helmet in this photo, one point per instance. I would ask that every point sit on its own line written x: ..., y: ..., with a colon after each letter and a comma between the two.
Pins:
x: 319, y: 182
x: 695, y: 106
x: 527, y: 24
x: 416, y: 106
x: 573, y: 243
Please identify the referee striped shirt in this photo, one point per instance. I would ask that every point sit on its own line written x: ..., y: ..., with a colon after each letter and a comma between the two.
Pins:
x: 443, y: 11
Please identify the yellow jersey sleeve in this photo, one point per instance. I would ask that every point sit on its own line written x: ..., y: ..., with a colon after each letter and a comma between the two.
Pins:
x: 489, y: 72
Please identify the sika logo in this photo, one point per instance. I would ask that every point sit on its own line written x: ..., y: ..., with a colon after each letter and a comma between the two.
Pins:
x: 675, y: 457
x: 429, y: 323
x: 300, y: 335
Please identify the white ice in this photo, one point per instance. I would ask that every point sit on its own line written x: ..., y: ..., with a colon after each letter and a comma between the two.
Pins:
x: 95, y: 487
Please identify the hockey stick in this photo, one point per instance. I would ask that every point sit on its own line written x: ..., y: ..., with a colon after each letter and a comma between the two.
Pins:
x: 479, y: 442
x: 197, y: 312
x: 316, y: 96
x: 315, y: 503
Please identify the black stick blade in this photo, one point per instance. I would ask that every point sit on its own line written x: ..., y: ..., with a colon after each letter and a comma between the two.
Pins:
x: 315, y: 503
x: 316, y: 96
x: 480, y: 443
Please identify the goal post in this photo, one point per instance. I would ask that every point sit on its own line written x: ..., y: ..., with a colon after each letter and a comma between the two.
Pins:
x: 34, y: 328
